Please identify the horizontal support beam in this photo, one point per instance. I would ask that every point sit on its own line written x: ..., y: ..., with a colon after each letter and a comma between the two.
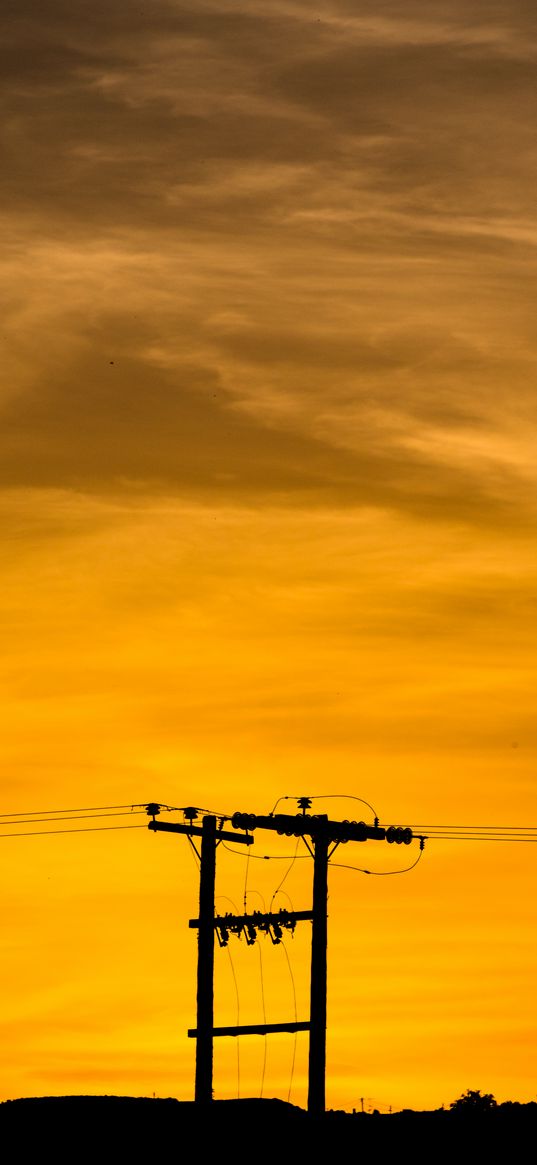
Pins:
x: 282, y: 918
x: 196, y: 831
x: 307, y: 825
x: 254, y: 1029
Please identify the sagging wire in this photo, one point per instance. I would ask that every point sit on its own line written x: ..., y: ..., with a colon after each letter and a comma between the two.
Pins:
x: 379, y: 873
x: 286, y: 895
x: 286, y: 875
x: 293, y: 985
x: 264, y: 1017
x: 196, y: 857
x: 238, y: 1016
x: 264, y: 857
x: 326, y: 797
x: 246, y: 870
x: 259, y: 894
x: 226, y: 899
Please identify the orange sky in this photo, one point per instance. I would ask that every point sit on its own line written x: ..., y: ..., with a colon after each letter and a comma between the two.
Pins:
x: 267, y: 492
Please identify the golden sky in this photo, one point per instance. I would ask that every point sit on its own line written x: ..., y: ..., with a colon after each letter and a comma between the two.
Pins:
x: 268, y: 512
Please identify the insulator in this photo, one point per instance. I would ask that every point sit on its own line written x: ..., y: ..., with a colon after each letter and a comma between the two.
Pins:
x: 251, y: 934
x: 397, y: 834
x: 152, y: 810
x: 244, y: 821
x: 304, y: 803
x: 190, y: 813
x: 407, y: 836
x: 277, y: 932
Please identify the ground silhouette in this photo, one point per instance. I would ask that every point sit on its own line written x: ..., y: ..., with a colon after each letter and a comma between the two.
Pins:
x: 126, y: 1129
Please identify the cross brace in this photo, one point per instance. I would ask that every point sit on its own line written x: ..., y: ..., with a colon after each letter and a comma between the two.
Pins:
x: 254, y: 1029
x: 257, y: 918
x: 194, y: 830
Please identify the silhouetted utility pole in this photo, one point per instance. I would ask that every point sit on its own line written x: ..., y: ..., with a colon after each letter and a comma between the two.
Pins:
x: 205, y: 994
x: 318, y: 981
x: 325, y: 836
x: 206, y: 924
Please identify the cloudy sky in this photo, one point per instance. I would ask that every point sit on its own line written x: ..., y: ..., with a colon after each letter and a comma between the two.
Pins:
x: 267, y: 492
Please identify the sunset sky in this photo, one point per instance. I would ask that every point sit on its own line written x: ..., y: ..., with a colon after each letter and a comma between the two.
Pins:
x: 268, y: 527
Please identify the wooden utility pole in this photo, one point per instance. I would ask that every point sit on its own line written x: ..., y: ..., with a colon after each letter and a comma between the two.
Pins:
x: 317, y: 1049
x: 205, y: 995
x: 204, y: 1031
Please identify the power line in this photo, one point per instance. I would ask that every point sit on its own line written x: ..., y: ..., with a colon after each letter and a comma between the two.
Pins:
x: 439, y: 832
x: 481, y: 837
x: 85, y: 829
x: 265, y: 857
x: 377, y: 873
x: 293, y: 986
x: 238, y: 1018
x: 79, y: 809
x: 488, y: 828
x: 264, y: 1017
x: 31, y: 820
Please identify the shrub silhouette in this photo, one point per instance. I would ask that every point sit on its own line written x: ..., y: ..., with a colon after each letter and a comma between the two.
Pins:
x: 473, y: 1101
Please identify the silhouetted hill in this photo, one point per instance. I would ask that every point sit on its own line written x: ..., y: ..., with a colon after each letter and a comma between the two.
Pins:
x: 110, y: 1128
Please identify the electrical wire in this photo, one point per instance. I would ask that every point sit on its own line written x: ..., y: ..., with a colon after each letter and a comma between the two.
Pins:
x: 288, y: 896
x: 293, y: 986
x: 478, y: 837
x: 325, y: 797
x: 377, y: 873
x: 85, y: 829
x: 265, y: 857
x: 31, y: 820
x: 230, y: 900
x: 194, y: 853
x: 486, y: 828
x: 343, y: 797
x: 210, y: 812
x: 264, y: 1017
x: 259, y: 894
x: 238, y: 1017
x: 79, y: 809
x: 450, y: 832
x: 287, y: 872
x: 247, y: 867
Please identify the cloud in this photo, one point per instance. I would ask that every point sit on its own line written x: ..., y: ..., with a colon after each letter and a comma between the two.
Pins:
x: 272, y: 252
